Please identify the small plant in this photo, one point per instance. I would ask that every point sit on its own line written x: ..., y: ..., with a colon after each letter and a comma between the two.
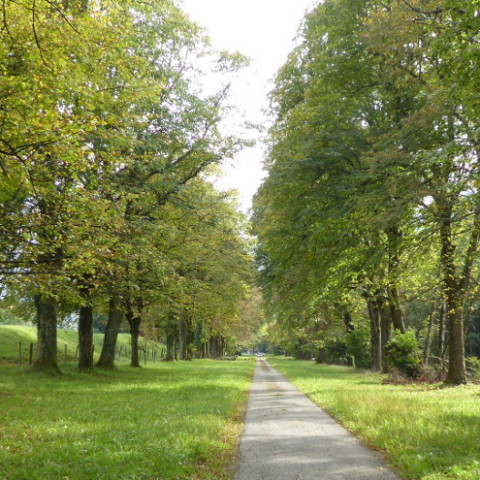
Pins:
x: 473, y: 367
x: 404, y: 354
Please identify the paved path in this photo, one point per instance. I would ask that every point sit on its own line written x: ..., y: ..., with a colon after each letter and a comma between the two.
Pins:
x: 287, y: 437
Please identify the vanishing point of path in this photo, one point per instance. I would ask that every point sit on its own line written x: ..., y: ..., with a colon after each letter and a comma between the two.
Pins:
x: 288, y: 437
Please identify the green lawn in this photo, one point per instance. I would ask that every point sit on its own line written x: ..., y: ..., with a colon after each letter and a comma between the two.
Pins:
x: 169, y: 421
x: 428, y: 432
x: 11, y: 336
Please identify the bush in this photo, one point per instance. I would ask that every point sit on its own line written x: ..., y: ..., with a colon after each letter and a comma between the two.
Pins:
x: 358, y: 346
x: 404, y: 354
x: 336, y: 351
x: 473, y: 367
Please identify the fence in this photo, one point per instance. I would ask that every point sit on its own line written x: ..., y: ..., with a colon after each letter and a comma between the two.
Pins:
x: 24, y: 353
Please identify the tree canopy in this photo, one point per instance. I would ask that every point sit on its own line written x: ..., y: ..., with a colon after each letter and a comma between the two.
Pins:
x: 373, y: 166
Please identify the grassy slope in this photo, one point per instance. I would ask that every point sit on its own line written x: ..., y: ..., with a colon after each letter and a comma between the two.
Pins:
x: 427, y: 431
x: 171, y: 421
x: 10, y: 336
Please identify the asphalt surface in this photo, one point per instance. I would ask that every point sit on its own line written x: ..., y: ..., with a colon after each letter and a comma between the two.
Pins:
x: 288, y: 437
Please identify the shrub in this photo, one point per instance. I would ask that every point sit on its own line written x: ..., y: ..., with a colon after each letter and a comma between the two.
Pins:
x: 473, y: 367
x: 404, y: 354
x: 358, y: 346
x: 336, y: 349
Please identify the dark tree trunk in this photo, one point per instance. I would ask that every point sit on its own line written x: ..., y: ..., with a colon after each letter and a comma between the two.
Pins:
x: 456, y: 373
x: 134, y: 319
x: 396, y: 310
x: 321, y: 355
x: 386, y: 332
x: 182, y: 341
x: 134, y: 323
x: 441, y: 330
x: 46, y: 313
x: 428, y: 338
x: 375, y: 334
x: 189, y: 339
x: 85, y: 338
x: 115, y: 316
x: 171, y: 336
x: 348, y: 322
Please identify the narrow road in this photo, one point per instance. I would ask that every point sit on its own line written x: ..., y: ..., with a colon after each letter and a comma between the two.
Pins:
x: 287, y: 437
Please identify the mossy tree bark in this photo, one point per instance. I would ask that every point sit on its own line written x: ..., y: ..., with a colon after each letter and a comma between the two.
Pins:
x: 115, y: 316
x: 46, y: 307
x: 85, y: 338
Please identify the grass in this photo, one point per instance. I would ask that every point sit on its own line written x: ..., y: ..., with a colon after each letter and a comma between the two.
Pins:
x: 11, y: 335
x: 169, y: 421
x: 427, y: 432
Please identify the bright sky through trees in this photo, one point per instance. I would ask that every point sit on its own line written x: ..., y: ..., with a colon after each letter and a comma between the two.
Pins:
x: 263, y: 30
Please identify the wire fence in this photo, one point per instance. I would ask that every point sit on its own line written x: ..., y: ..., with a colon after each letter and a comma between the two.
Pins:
x: 24, y: 353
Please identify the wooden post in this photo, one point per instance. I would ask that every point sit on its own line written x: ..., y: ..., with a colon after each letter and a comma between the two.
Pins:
x: 65, y: 353
x: 145, y: 356
x: 30, y: 360
x: 20, y: 353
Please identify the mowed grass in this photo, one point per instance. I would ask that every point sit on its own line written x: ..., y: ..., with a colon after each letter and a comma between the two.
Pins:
x: 12, y: 335
x: 169, y: 421
x: 427, y: 432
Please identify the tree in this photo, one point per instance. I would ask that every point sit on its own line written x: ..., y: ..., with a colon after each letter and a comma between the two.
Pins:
x: 373, y: 154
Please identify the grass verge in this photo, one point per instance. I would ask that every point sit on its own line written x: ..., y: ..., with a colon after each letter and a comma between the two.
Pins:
x: 13, y: 337
x: 427, y: 432
x: 171, y: 421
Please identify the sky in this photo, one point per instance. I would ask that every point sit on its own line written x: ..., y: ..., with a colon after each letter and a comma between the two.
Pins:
x: 264, y: 31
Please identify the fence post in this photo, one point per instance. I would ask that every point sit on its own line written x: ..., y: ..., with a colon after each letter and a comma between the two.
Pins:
x: 30, y: 360
x: 65, y: 353
x: 145, y: 356
x: 20, y: 353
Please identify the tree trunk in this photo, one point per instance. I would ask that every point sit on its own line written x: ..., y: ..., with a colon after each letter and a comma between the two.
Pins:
x: 134, y: 319
x: 456, y: 373
x: 46, y: 312
x: 428, y: 338
x: 182, y: 342
x: 189, y: 339
x: 396, y: 310
x: 321, y: 355
x: 375, y: 334
x: 348, y: 322
x: 441, y: 330
x: 171, y: 336
x: 115, y: 316
x: 386, y: 331
x: 85, y: 338
x: 134, y: 323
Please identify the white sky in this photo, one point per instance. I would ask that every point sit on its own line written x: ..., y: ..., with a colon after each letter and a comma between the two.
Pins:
x: 264, y: 31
